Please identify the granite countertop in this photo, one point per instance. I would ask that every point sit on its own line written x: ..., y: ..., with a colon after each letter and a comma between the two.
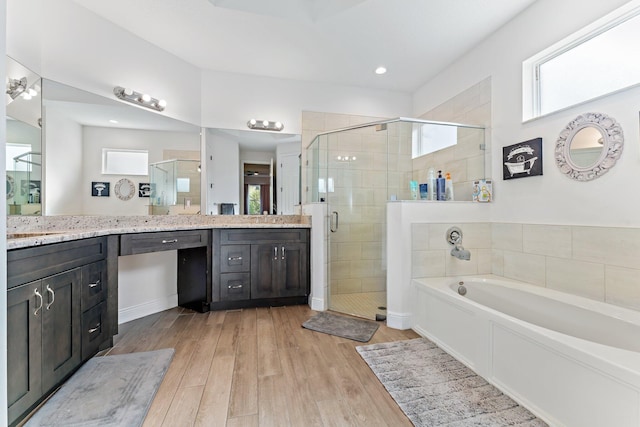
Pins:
x: 25, y: 231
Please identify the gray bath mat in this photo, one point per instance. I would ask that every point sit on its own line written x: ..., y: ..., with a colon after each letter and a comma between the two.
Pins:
x: 434, y: 389
x: 107, y: 391
x: 342, y: 326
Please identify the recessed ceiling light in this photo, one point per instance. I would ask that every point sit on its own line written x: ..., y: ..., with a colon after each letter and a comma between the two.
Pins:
x: 381, y: 70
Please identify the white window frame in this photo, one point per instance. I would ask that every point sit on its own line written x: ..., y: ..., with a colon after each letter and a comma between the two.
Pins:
x: 531, y: 102
x: 140, y: 169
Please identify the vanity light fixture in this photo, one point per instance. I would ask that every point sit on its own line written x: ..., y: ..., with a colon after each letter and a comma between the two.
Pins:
x: 346, y: 158
x: 142, y: 99
x: 18, y: 87
x: 264, y: 125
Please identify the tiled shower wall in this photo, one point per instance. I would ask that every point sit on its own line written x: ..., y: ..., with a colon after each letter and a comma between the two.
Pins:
x: 600, y: 263
x: 465, y: 161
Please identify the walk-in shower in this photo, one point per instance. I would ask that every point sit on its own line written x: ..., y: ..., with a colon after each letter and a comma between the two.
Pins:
x: 356, y: 171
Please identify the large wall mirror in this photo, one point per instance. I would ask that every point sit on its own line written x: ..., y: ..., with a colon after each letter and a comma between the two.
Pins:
x: 83, y: 131
x: 24, y: 140
x: 589, y: 146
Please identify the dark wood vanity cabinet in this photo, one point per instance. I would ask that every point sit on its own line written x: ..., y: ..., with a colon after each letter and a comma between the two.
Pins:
x: 50, y: 309
x: 260, y: 267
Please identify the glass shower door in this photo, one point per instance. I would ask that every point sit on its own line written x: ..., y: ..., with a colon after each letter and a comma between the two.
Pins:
x: 356, y: 193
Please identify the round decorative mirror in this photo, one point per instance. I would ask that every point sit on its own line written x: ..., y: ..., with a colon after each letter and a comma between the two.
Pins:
x: 589, y: 146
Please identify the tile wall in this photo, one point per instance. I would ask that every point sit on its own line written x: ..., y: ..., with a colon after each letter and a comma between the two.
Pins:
x: 600, y: 263
x: 465, y: 161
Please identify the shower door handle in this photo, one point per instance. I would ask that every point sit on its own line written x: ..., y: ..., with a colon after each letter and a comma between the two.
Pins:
x: 334, y: 224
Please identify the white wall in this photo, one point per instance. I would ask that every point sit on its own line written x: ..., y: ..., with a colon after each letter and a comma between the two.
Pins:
x: 63, y: 165
x: 223, y: 172
x: 551, y: 198
x: 97, y: 138
x: 3, y: 234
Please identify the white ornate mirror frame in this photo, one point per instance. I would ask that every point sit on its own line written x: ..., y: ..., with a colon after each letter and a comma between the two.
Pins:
x: 613, y: 142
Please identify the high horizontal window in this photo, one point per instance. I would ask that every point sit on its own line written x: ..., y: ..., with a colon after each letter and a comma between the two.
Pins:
x: 601, y: 59
x: 125, y: 162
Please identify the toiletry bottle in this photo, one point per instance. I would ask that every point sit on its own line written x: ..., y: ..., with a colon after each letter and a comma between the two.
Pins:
x: 413, y: 187
x: 448, y: 187
x: 440, y: 181
x: 431, y: 184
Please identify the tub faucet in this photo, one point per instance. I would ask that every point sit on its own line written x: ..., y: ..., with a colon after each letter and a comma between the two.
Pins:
x: 461, y: 253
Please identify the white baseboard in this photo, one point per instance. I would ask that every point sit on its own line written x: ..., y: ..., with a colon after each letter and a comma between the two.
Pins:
x: 134, y: 312
x: 401, y: 321
x: 318, y: 304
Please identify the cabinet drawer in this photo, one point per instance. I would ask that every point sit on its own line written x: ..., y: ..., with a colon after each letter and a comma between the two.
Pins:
x: 235, y: 258
x: 94, y: 284
x: 235, y: 286
x: 29, y: 264
x: 140, y: 243
x: 259, y: 235
x: 94, y: 329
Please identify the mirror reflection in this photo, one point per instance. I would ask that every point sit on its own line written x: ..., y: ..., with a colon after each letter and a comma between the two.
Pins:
x: 84, y: 131
x: 24, y: 140
x: 586, y: 147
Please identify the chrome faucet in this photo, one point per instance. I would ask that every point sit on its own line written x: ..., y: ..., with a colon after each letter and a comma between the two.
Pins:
x: 454, y: 237
x: 461, y: 253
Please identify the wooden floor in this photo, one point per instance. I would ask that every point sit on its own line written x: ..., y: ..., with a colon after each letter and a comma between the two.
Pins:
x: 259, y: 367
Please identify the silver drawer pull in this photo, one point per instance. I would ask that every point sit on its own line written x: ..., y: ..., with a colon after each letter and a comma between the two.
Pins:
x: 53, y: 297
x: 39, y: 295
x: 235, y: 258
x: 93, y: 285
x: 92, y: 330
x: 164, y: 242
x: 275, y: 252
x: 235, y: 286
x: 283, y: 253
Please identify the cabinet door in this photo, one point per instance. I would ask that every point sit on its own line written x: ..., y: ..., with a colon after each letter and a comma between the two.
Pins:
x: 264, y: 269
x: 24, y: 345
x: 61, y: 317
x: 292, y: 270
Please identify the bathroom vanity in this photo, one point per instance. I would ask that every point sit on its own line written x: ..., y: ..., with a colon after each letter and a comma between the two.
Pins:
x: 63, y: 285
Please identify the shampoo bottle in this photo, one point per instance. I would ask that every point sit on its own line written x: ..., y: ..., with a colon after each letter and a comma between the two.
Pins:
x: 448, y: 187
x: 440, y: 182
x: 413, y: 188
x: 431, y: 184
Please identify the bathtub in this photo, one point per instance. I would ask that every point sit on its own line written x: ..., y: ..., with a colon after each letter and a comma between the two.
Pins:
x: 570, y: 360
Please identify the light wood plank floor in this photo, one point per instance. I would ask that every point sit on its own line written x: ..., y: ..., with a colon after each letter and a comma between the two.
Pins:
x: 259, y: 367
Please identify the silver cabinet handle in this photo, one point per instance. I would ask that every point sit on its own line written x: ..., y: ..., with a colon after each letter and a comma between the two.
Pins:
x: 275, y: 253
x: 235, y: 258
x: 93, y: 285
x: 334, y: 226
x: 92, y: 330
x: 53, y: 297
x: 234, y: 286
x: 164, y: 242
x: 283, y: 253
x: 39, y: 295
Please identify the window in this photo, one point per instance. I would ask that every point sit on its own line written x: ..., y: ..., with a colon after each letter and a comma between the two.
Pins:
x: 125, y: 162
x: 19, y: 151
x: 429, y: 138
x: 601, y: 59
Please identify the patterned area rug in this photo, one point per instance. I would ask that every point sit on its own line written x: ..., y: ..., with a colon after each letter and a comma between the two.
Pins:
x: 107, y: 391
x: 342, y: 326
x: 434, y: 389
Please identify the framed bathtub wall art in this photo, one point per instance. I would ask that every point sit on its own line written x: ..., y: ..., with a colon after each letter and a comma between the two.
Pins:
x: 100, y: 189
x: 522, y: 160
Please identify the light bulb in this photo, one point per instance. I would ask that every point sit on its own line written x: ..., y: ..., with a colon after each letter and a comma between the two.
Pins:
x: 32, y: 92
x: 162, y: 103
x: 26, y: 95
x: 278, y: 125
x: 353, y: 158
x: 253, y: 122
x: 265, y: 123
x: 127, y: 91
x: 381, y: 70
x: 146, y: 97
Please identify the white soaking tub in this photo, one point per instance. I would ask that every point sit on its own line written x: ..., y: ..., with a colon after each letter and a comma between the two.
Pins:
x: 570, y: 360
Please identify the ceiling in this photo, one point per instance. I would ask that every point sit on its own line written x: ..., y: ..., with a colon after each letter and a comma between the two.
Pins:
x: 330, y: 41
